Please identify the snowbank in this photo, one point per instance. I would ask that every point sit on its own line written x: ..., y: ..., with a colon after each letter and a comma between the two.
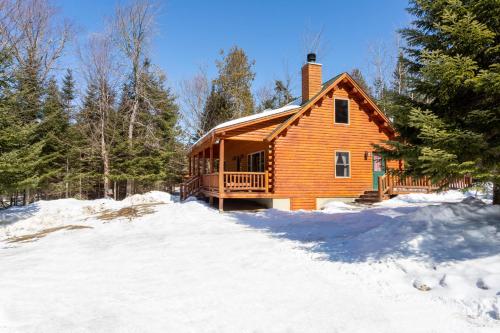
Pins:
x: 339, y: 207
x: 41, y: 215
x: 416, y: 199
x: 150, y: 197
x: 419, y: 265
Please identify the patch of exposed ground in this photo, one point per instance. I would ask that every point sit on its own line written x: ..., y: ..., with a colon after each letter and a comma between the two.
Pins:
x: 129, y: 213
x: 43, y: 233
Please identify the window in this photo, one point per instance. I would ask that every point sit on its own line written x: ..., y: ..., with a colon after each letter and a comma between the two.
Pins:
x: 341, y: 111
x: 342, y: 164
x: 256, y: 162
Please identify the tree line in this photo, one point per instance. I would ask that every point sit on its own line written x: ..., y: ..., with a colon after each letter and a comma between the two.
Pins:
x: 122, y: 130
x: 117, y: 131
x: 121, y: 139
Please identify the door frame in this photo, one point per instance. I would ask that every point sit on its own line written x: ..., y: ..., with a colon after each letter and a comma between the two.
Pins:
x: 376, y: 174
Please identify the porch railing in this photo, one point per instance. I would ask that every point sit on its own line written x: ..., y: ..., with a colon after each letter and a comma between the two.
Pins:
x: 237, y: 181
x: 389, y: 184
x: 246, y: 181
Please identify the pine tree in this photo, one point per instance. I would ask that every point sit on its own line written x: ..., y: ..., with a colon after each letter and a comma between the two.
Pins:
x: 280, y: 96
x: 357, y: 75
x: 235, y: 80
x: 155, y: 156
x: 451, y: 125
x: 68, y: 93
x: 54, y: 130
x: 282, y: 93
x: 217, y: 110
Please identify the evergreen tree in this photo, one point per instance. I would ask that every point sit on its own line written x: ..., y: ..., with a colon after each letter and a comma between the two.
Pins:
x: 68, y: 93
x: 450, y: 127
x: 155, y: 154
x: 360, y: 80
x: 282, y: 93
x: 87, y: 171
x: 217, y: 110
x: 234, y: 82
x: 54, y: 130
x: 281, y: 96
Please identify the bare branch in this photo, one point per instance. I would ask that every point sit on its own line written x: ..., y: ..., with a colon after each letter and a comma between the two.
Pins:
x: 27, y: 28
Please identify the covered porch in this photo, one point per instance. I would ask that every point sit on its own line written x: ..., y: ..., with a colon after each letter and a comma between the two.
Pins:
x: 245, y: 170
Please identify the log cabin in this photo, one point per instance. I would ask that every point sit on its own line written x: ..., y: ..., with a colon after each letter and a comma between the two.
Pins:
x: 314, y: 150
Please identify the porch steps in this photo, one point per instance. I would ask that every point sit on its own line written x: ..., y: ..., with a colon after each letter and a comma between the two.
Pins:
x: 370, y: 197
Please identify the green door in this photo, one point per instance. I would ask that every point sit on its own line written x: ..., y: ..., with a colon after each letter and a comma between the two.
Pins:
x: 378, y: 168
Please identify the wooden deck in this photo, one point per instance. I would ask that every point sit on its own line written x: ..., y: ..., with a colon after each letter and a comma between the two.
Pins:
x: 235, y: 185
x: 393, y: 184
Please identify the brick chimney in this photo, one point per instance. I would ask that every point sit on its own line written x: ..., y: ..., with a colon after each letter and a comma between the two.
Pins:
x: 311, y: 77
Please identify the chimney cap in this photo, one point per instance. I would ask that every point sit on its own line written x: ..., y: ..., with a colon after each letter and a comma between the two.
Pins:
x: 311, y: 57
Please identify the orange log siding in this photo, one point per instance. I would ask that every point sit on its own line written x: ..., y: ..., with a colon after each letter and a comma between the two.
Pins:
x: 305, y: 154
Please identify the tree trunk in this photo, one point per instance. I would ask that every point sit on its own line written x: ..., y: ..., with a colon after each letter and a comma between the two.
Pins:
x: 105, y: 160
x: 496, y: 193
x: 26, y: 198
x: 131, y: 126
x: 67, y: 174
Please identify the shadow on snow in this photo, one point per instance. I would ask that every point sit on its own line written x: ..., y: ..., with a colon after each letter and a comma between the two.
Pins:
x: 450, y: 231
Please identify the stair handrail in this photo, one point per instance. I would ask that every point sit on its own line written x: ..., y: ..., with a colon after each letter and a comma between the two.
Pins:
x: 384, y: 186
x: 189, y: 187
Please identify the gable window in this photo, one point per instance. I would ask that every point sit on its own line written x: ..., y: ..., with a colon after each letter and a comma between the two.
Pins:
x: 341, y: 111
x: 256, y: 162
x: 342, y: 164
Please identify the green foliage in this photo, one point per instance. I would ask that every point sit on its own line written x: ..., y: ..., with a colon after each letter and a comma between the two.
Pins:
x: 230, y: 96
x: 449, y: 119
x: 280, y: 97
x: 358, y: 76
x: 156, y: 152
x: 217, y: 110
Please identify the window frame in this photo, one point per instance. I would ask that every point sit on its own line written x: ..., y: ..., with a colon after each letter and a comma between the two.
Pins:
x: 249, y: 166
x: 348, y: 110
x: 335, y: 164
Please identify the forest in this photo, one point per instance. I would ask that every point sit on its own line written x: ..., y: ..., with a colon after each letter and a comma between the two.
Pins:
x: 123, y: 130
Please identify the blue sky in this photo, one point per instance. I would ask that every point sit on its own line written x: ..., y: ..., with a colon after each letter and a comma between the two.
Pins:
x: 191, y: 33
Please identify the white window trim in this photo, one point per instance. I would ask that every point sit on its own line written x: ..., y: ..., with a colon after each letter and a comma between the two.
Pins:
x: 335, y: 163
x: 348, y: 110
x: 254, y: 153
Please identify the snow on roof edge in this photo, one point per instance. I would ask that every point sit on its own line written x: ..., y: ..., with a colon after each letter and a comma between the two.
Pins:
x: 269, y: 112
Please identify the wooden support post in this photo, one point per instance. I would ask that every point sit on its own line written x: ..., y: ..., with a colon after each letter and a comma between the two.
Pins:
x: 190, y: 167
x: 380, y: 194
x: 221, y: 175
x: 389, y: 183
x: 211, y: 167
x: 267, y: 182
x: 198, y: 165
x: 211, y: 159
x: 203, y: 168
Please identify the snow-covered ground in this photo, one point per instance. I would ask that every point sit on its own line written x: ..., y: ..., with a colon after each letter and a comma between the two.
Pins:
x: 416, y: 263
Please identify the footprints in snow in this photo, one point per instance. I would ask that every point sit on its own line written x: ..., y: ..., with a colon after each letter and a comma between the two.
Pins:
x: 442, y: 282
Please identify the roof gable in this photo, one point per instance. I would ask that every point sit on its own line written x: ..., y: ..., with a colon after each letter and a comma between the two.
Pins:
x: 328, y: 88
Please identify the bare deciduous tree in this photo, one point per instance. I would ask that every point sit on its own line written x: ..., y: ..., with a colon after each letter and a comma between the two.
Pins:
x: 194, y: 93
x: 100, y: 69
x: 27, y: 28
x: 133, y: 28
x: 314, y: 41
x: 380, y: 64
